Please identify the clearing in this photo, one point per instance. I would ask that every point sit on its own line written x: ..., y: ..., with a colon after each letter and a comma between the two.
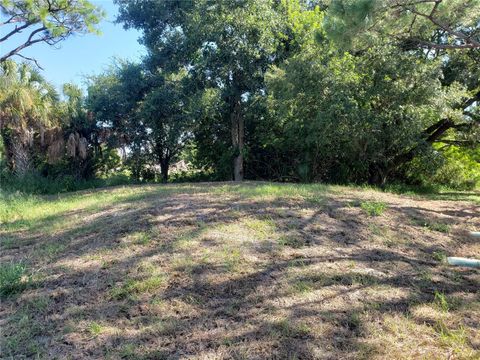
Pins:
x: 251, y: 271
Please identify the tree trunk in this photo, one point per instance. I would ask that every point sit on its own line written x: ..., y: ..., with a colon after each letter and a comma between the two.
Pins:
x: 164, y: 165
x: 378, y: 176
x: 21, y: 158
x: 238, y: 135
x: 7, y: 147
x: 17, y: 151
x: 163, y: 156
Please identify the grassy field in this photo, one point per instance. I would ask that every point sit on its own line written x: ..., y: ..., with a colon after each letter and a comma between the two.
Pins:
x: 251, y: 271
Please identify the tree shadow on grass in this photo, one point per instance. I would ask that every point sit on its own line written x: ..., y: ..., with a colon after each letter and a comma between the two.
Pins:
x: 210, y: 301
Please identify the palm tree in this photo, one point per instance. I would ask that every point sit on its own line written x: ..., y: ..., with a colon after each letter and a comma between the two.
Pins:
x: 26, y: 105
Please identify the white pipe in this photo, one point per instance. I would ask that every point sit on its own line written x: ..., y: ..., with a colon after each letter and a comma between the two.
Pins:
x: 473, y: 263
x: 475, y: 234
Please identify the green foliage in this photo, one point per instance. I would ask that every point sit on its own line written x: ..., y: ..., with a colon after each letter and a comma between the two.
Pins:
x: 227, y: 46
x: 452, y: 166
x: 266, y: 85
x: 461, y: 168
x: 108, y: 162
x: 95, y: 329
x: 440, y: 256
x: 420, y: 24
x: 373, y: 208
x: 143, y: 110
x: 13, y: 278
x: 59, y: 18
x: 193, y: 176
x: 26, y: 99
x: 441, y: 301
x: 368, y: 113
x: 165, y: 115
x: 35, y: 183
x: 345, y: 19
x: 133, y: 287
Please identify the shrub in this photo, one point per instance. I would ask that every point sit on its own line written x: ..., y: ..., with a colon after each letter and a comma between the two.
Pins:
x: 454, y: 167
x: 192, y: 176
x: 35, y: 183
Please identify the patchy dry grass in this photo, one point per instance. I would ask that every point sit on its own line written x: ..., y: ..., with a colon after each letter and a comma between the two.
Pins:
x: 250, y: 271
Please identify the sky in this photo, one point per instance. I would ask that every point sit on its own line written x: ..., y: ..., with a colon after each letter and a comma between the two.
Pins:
x: 81, y: 55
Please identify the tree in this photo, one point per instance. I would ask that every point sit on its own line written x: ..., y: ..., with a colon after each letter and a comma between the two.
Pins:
x: 166, y: 118
x: 46, y: 21
x: 225, y: 45
x: 113, y: 100
x: 427, y: 24
x: 27, y: 104
x: 144, y: 112
x: 80, y: 130
x: 362, y: 116
x: 433, y: 30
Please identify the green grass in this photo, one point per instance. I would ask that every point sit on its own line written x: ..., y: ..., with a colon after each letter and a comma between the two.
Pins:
x: 439, y: 256
x: 302, y: 287
x: 95, y: 329
x: 291, y: 240
x: 289, y: 329
x: 435, y: 192
x: 222, y: 264
x: 35, y: 183
x: 432, y: 225
x: 28, y: 329
x: 134, y: 287
x: 13, y: 278
x: 454, y: 339
x: 20, y: 211
x: 128, y: 351
x: 52, y: 249
x: 373, y: 208
x: 232, y: 258
x: 23, y: 212
x: 263, y: 229
x: 141, y: 237
x: 7, y: 242
x: 440, y: 227
x: 441, y: 301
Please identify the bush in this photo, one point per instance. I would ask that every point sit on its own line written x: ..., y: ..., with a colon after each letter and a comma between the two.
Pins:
x: 108, y: 162
x: 35, y: 183
x: 192, y: 176
x: 12, y: 278
x: 457, y: 175
x: 453, y: 167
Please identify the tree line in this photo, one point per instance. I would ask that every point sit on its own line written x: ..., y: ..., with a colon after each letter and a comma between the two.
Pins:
x: 344, y: 91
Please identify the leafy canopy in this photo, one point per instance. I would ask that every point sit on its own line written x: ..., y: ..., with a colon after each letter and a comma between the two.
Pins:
x: 47, y: 21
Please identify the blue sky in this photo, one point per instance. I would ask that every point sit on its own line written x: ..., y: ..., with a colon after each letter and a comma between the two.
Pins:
x: 89, y: 54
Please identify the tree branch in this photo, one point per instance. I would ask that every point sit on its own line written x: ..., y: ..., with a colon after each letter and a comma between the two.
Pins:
x: 30, y: 59
x: 12, y: 19
x: 432, y: 45
x: 18, y: 29
x: 27, y: 43
x: 468, y: 40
